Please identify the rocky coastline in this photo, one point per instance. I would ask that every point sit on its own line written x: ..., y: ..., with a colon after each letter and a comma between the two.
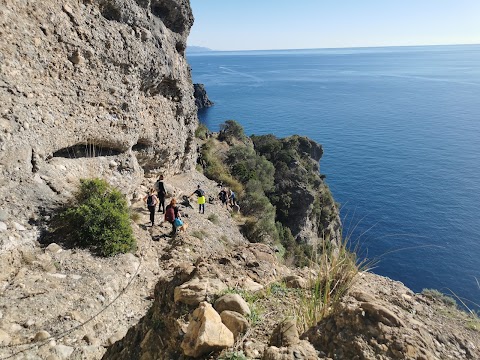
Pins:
x: 201, y: 98
x: 102, y: 88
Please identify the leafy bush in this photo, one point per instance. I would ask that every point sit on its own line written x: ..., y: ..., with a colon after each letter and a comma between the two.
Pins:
x: 278, y: 289
x: 99, y: 219
x: 260, y: 227
x: 245, y: 165
x: 230, y: 130
x: 201, y: 131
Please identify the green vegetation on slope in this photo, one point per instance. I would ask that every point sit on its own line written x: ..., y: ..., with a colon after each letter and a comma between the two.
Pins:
x: 98, y: 219
x: 276, y: 181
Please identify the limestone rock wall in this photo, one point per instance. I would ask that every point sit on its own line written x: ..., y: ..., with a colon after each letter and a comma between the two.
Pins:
x: 201, y: 97
x: 89, y: 88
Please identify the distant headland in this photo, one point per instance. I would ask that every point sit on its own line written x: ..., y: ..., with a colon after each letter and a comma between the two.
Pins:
x: 197, y: 49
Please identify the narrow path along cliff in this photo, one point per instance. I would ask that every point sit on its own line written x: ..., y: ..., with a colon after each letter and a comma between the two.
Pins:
x: 50, y: 289
x: 47, y: 291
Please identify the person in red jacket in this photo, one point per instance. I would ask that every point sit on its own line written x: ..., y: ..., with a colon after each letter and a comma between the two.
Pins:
x: 171, y: 213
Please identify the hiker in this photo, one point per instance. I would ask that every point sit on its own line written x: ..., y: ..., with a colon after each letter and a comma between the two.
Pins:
x: 232, y: 198
x: 200, y: 199
x: 161, y: 192
x: 222, y: 195
x: 151, y: 200
x: 171, y: 213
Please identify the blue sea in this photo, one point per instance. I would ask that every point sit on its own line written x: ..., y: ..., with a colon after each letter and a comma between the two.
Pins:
x: 400, y: 128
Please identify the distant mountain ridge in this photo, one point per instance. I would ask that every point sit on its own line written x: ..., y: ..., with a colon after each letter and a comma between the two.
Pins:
x: 196, y: 49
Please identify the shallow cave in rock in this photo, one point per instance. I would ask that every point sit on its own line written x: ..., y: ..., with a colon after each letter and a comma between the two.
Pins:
x: 142, y: 145
x: 110, y: 11
x: 86, y: 151
x: 148, y: 157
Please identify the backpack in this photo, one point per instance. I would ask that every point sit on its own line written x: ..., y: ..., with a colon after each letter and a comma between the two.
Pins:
x: 170, y: 214
x: 150, y: 200
x: 202, y: 193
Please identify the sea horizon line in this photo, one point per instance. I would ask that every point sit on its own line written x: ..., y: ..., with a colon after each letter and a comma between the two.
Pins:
x: 208, y: 50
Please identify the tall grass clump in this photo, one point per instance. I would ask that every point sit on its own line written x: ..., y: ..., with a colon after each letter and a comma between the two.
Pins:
x: 98, y: 219
x: 337, y: 268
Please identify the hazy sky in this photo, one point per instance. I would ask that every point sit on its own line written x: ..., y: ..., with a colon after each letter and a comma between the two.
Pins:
x: 288, y: 24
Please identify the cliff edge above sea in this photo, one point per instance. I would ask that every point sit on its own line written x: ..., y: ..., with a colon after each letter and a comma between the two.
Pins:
x: 65, y: 303
x: 201, y: 98
x: 102, y: 89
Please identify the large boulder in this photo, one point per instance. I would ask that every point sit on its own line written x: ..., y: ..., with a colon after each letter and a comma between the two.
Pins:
x: 285, y: 334
x: 232, y: 302
x: 235, y: 322
x: 295, y: 282
x: 206, y: 332
x: 196, y: 290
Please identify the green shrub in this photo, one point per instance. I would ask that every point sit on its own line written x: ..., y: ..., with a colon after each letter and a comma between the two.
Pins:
x: 201, y: 131
x: 230, y: 130
x: 216, y: 170
x: 234, y: 355
x: 278, y: 289
x: 98, y: 219
x: 439, y: 296
x: 245, y: 165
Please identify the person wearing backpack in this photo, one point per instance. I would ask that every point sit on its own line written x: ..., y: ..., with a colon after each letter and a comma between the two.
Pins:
x: 151, y: 200
x: 171, y: 213
x: 161, y: 192
x: 200, y: 199
x: 222, y: 195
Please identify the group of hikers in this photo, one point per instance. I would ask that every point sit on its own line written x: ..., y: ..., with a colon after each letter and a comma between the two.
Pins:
x: 171, y: 211
x: 228, y: 197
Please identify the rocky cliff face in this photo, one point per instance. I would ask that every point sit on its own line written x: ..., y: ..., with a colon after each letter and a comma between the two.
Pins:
x: 89, y: 88
x: 303, y: 200
x: 201, y: 97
